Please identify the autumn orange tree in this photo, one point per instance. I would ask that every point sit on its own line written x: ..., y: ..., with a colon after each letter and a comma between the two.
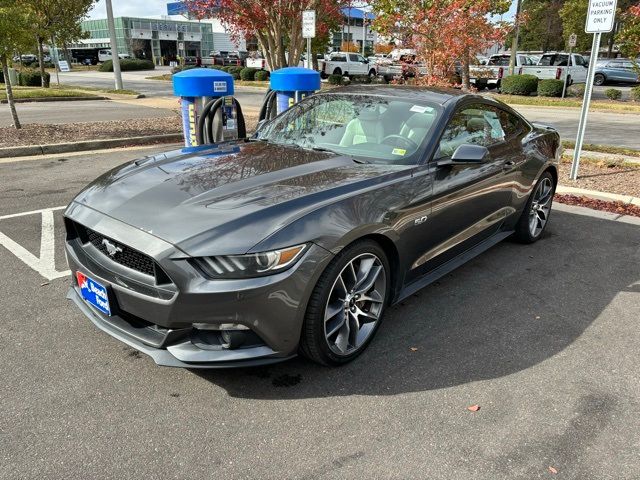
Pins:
x: 277, y: 24
x: 443, y: 32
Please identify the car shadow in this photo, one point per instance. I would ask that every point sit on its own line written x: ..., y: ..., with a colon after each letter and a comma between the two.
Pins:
x: 506, y: 311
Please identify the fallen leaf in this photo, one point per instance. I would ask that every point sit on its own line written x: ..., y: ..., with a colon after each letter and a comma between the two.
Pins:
x: 553, y: 470
x: 414, y: 349
x: 473, y: 408
x: 43, y: 284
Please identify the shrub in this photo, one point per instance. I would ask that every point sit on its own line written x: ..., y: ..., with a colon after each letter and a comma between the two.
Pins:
x: 127, y: 64
x: 335, y: 79
x: 635, y: 94
x: 31, y: 78
x: 262, y: 75
x: 235, y: 69
x: 361, y: 79
x: 248, y: 74
x: 576, y: 90
x: 182, y: 69
x: 550, y: 88
x: 613, y: 93
x: 519, y: 84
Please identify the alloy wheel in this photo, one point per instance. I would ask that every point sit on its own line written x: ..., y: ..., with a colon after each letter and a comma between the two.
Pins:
x: 540, y: 207
x: 355, y: 304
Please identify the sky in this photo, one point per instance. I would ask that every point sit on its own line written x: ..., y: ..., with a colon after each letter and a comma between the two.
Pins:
x: 155, y: 8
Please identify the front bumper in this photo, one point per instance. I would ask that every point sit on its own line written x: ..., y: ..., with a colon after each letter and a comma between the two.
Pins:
x: 157, y: 318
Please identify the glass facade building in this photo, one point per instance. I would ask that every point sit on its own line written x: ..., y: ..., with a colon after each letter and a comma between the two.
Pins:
x: 159, y: 40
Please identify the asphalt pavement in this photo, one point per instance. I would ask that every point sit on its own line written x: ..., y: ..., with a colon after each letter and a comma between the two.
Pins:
x: 544, y: 338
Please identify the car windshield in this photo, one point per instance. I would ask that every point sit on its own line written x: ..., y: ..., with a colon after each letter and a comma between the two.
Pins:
x: 373, y: 128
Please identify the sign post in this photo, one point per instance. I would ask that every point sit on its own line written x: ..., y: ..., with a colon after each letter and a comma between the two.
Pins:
x: 309, y: 32
x: 573, y: 40
x: 600, y: 17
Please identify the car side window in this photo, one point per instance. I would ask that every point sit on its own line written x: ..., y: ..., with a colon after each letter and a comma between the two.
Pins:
x: 511, y: 124
x: 476, y: 124
x: 353, y: 57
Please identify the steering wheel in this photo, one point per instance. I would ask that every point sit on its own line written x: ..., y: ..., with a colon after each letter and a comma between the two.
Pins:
x: 400, y: 141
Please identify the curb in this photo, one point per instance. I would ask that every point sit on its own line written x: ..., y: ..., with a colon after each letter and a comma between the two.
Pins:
x: 30, y: 150
x: 53, y: 99
x: 607, y: 197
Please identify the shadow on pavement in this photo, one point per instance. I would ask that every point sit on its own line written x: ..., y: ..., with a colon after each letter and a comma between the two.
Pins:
x: 509, y: 309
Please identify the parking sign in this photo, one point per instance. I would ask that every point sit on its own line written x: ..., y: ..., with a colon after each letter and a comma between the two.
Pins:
x: 573, y: 40
x: 600, y: 16
x: 309, y: 24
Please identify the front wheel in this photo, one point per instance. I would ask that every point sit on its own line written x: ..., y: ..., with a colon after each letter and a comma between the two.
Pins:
x: 347, y: 304
x: 536, y: 213
x: 599, y: 79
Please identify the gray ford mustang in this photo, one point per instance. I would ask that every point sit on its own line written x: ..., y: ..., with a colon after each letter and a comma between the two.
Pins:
x: 296, y: 240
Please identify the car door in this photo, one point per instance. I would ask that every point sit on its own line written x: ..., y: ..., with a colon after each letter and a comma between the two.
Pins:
x: 470, y: 201
x: 629, y: 73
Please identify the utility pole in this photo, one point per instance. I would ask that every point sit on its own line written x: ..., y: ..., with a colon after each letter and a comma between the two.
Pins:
x: 514, y: 43
x: 114, y: 46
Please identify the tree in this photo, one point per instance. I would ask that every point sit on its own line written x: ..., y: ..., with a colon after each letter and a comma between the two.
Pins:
x: 56, y: 19
x: 442, y: 32
x: 543, y: 28
x: 629, y: 35
x: 277, y: 24
x: 15, y: 35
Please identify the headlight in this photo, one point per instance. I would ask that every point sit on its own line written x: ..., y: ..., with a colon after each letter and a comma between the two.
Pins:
x: 251, y: 264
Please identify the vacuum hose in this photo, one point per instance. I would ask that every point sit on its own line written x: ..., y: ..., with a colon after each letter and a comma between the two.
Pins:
x: 268, y: 109
x: 206, y: 132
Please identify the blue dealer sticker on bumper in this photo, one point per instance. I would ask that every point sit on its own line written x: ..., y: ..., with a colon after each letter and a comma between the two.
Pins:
x: 93, y: 293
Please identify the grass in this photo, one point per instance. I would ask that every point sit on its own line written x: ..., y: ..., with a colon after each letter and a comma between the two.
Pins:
x: 601, y: 163
x: 603, y: 105
x: 39, y: 92
x: 603, y: 148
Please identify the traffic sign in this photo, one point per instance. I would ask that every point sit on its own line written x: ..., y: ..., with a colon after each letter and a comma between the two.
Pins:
x: 309, y: 24
x: 573, y: 40
x: 600, y: 16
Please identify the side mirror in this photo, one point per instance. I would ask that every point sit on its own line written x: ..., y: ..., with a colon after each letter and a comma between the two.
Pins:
x: 468, y: 154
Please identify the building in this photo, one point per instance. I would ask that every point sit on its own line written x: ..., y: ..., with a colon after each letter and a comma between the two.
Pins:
x: 161, y: 40
x: 356, y: 28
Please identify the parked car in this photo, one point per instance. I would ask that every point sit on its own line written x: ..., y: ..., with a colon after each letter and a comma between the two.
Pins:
x: 346, y: 64
x: 616, y: 70
x: 104, y: 55
x: 298, y: 239
x: 558, y: 65
x: 257, y: 61
x: 490, y: 74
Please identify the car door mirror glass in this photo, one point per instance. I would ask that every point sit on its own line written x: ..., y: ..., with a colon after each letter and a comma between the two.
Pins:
x: 470, y: 154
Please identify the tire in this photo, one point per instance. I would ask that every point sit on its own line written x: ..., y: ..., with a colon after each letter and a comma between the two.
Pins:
x: 372, y: 73
x: 333, y: 342
x: 525, y: 231
x: 599, y: 79
x: 337, y: 71
x: 569, y: 81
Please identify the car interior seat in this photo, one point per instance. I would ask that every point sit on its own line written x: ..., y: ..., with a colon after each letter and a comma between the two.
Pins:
x: 367, y: 128
x: 417, y: 126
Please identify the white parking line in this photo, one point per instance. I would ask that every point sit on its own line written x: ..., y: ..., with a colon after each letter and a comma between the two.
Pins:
x: 45, y: 264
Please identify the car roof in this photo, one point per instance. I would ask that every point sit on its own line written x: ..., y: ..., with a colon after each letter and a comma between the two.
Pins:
x: 427, y: 94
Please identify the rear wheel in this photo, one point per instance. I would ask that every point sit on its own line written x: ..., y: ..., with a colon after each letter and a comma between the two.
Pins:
x: 347, y: 304
x: 372, y: 73
x: 599, y: 79
x: 337, y: 71
x: 536, y: 213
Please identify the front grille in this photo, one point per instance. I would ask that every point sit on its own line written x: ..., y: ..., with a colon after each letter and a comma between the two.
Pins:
x: 124, y: 255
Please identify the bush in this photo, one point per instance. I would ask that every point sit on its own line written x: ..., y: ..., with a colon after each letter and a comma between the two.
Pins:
x: 361, y: 79
x: 235, y: 69
x: 31, y: 78
x: 576, y: 90
x: 550, y: 88
x: 635, y: 94
x: 262, y: 76
x: 182, y: 69
x: 519, y: 84
x: 335, y: 79
x: 613, y: 93
x: 127, y: 64
x: 248, y: 74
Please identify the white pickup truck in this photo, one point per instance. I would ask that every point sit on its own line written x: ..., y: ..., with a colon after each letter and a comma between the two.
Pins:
x: 558, y: 65
x: 491, y: 75
x: 346, y: 64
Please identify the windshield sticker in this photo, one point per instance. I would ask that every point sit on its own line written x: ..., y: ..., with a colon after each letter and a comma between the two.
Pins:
x: 420, y: 109
x: 399, y: 151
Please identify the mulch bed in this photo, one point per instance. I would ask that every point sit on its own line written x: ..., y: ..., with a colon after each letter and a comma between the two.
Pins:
x: 618, y: 208
x: 41, y: 134
x: 603, y: 176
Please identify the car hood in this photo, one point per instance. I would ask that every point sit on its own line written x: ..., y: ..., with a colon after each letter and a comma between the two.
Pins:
x: 226, y: 198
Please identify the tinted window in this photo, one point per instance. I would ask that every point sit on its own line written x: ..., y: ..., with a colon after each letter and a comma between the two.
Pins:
x: 477, y: 124
x: 501, y: 61
x: 580, y: 60
x: 339, y: 58
x: 353, y: 57
x: 511, y: 124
